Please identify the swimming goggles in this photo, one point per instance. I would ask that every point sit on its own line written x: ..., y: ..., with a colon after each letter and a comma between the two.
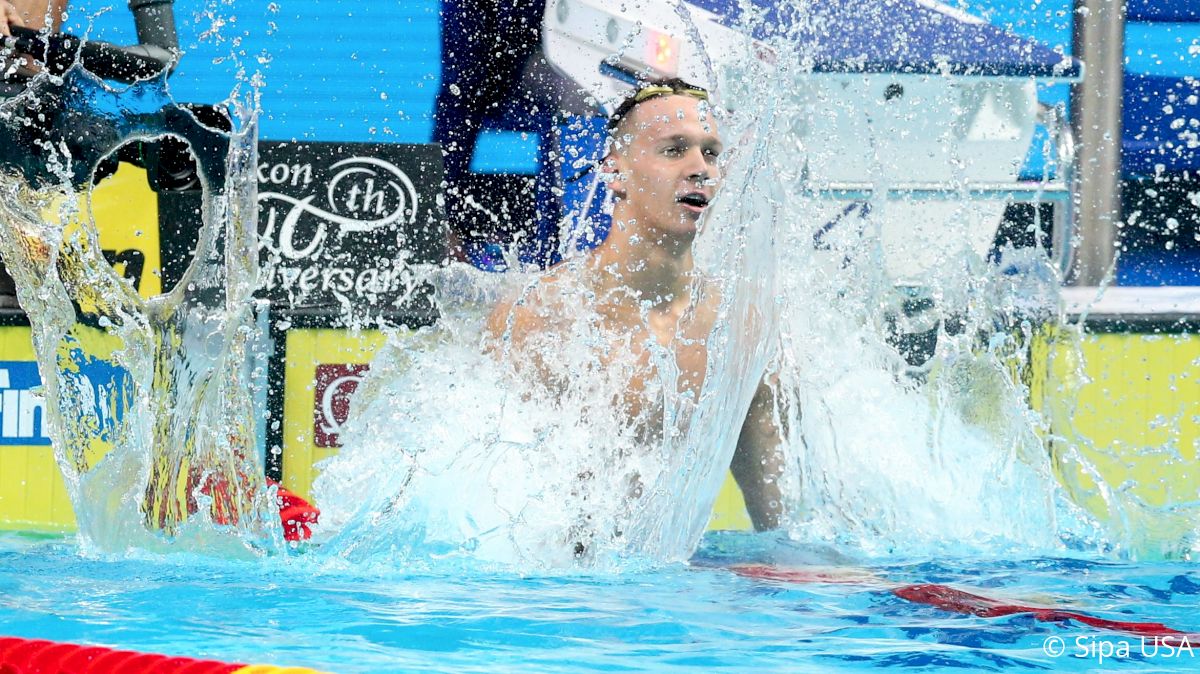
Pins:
x: 662, y: 89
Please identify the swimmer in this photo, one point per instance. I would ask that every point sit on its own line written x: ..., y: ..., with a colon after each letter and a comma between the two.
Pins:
x: 641, y: 281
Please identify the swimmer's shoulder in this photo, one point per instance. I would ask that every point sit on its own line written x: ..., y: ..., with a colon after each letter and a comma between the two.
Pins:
x: 527, y: 309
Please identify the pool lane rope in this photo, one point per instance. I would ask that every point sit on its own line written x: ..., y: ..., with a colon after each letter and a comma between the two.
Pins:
x: 38, y: 656
x: 954, y: 600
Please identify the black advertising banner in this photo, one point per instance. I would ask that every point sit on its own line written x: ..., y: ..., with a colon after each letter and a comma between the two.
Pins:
x: 340, y: 225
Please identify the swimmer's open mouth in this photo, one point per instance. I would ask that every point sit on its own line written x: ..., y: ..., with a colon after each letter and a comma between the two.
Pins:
x: 695, y: 199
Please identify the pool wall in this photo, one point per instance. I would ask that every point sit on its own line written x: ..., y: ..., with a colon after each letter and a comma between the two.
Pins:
x: 1124, y: 395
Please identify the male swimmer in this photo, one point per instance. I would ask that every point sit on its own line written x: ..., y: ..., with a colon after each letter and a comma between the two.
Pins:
x: 641, y: 281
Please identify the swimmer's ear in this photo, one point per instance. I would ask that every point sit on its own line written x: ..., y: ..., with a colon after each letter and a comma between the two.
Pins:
x: 612, y: 176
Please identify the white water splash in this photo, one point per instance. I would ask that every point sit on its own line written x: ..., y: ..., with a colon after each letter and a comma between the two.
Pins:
x: 148, y: 402
x: 463, y: 456
x: 477, y: 464
x: 452, y: 454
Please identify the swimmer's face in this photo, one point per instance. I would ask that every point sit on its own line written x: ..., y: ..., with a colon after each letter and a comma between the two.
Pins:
x: 665, y: 163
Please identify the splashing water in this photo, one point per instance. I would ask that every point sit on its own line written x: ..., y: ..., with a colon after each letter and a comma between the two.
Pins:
x: 464, y: 455
x: 147, y: 401
x: 455, y: 454
x: 887, y: 458
x: 884, y: 460
x: 479, y: 463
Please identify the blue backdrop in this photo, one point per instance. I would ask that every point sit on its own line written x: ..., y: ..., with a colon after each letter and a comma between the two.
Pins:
x: 333, y: 70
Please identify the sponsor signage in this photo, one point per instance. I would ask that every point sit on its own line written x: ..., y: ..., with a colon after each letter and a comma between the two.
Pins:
x: 341, y: 223
x: 333, y: 386
x: 322, y: 372
x: 22, y: 411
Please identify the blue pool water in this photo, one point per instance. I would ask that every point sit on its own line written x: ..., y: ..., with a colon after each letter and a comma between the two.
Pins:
x: 299, y: 612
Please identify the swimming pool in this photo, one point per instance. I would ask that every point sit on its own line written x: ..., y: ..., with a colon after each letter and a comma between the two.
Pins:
x: 298, y: 611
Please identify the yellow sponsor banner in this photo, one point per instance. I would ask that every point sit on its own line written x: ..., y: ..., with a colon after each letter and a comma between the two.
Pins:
x: 1139, y: 410
x: 729, y: 512
x: 126, y: 213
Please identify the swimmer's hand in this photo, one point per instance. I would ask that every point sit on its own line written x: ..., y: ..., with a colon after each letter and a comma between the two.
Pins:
x: 9, y: 17
x: 12, y: 64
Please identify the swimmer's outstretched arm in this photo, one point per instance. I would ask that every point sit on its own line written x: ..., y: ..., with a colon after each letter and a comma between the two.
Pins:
x: 758, y: 462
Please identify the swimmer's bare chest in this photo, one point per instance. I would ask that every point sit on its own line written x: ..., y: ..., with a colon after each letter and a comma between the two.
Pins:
x: 634, y: 342
x: 657, y: 339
